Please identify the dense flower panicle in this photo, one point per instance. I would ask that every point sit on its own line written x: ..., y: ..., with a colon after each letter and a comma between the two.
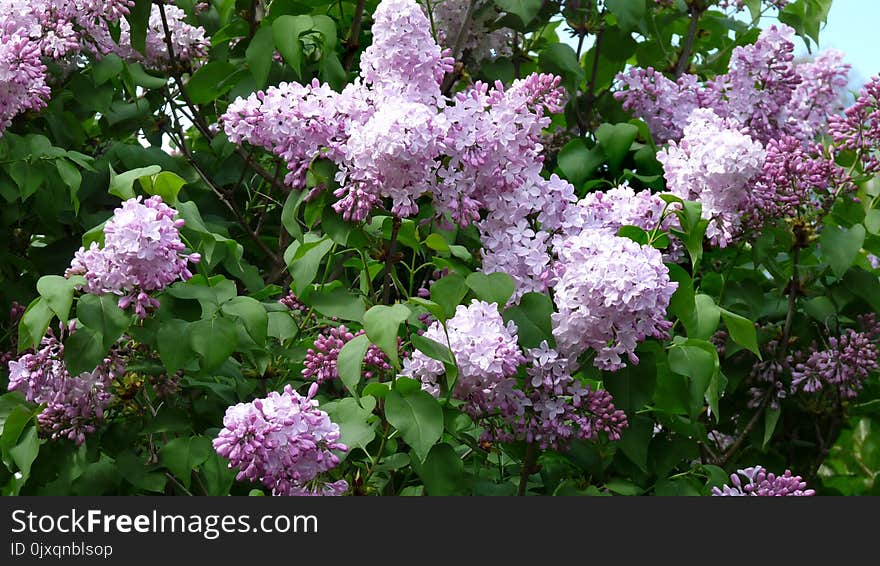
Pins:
x: 819, y: 94
x: 759, y: 84
x: 142, y: 253
x: 620, y: 206
x: 404, y: 60
x: 715, y: 165
x: 22, y: 77
x: 478, y: 41
x: 63, y: 27
x: 662, y: 103
x: 75, y: 405
x: 796, y: 177
x: 487, y: 355
x: 321, y: 358
x: 765, y: 92
x: 757, y: 482
x: 843, y: 366
x: 391, y: 155
x: 611, y: 295
x: 188, y: 42
x: 284, y: 441
x: 519, y: 250
x: 291, y: 120
x: 859, y: 128
x: 559, y: 409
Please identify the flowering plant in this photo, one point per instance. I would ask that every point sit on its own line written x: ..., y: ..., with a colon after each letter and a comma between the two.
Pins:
x: 403, y: 247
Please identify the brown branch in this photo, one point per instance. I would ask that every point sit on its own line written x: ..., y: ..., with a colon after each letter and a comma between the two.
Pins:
x: 528, y: 467
x: 684, y: 58
x: 389, y: 261
x: 354, y: 35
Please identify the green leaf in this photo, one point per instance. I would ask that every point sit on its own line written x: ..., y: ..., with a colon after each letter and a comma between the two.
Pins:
x: 259, y: 55
x: 138, y: 17
x: 134, y: 471
x: 742, y: 331
x: 433, y: 349
x: 840, y: 246
x: 560, y: 59
x: 418, y: 417
x: 219, y: 477
x: 350, y: 361
x: 286, y: 31
x: 683, y: 301
x: 306, y: 260
x: 577, y: 162
x: 84, y: 350
x: 704, y: 319
x: 70, y: 175
x: 182, y: 455
x: 448, y: 292
x: 635, y: 440
x: 252, y: 314
x: 34, y: 323
x: 121, y: 184
x: 525, y: 10
x: 357, y: 425
x: 174, y: 348
x: 872, y: 221
x: 442, y: 471
x: 339, y: 303
x: 166, y: 184
x: 493, y: 288
x: 25, y: 451
x: 381, y: 324
x: 436, y: 242
x: 213, y: 340
x: 633, y: 386
x: 327, y: 27
x: 616, y: 140
x: 144, y: 79
x: 108, y: 67
x: 630, y: 14
x: 532, y: 318
x: 697, y: 360
x: 771, y: 417
x: 210, y: 82
x: 102, y: 314
x: 57, y: 291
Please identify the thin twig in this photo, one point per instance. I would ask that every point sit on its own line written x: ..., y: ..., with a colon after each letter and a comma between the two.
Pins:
x: 354, y: 35
x: 684, y: 58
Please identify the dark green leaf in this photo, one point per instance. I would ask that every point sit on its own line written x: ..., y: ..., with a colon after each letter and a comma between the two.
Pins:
x: 418, y: 417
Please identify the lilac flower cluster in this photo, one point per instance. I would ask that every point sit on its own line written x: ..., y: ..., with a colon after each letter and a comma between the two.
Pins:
x: 478, y: 41
x: 558, y: 408
x: 283, y: 441
x: 142, y: 253
x: 292, y: 302
x: 395, y: 136
x: 843, y: 366
x: 321, y: 358
x: 764, y: 93
x: 188, y: 42
x: 859, y: 128
x: 612, y: 294
x: 551, y: 408
x: 62, y: 29
x: 715, y: 165
x: 22, y: 77
x: 75, y: 405
x: 757, y: 482
x: 487, y: 355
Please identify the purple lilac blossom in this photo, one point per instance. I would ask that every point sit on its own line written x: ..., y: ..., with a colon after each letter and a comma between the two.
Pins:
x: 284, y: 441
x: 558, y: 408
x: 75, y: 405
x: 478, y: 40
x: 611, y: 295
x: 142, y: 253
x: 187, y: 41
x: 714, y: 164
x: 843, y: 366
x: 487, y: 355
x: 757, y: 482
x: 321, y: 358
x: 858, y: 129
